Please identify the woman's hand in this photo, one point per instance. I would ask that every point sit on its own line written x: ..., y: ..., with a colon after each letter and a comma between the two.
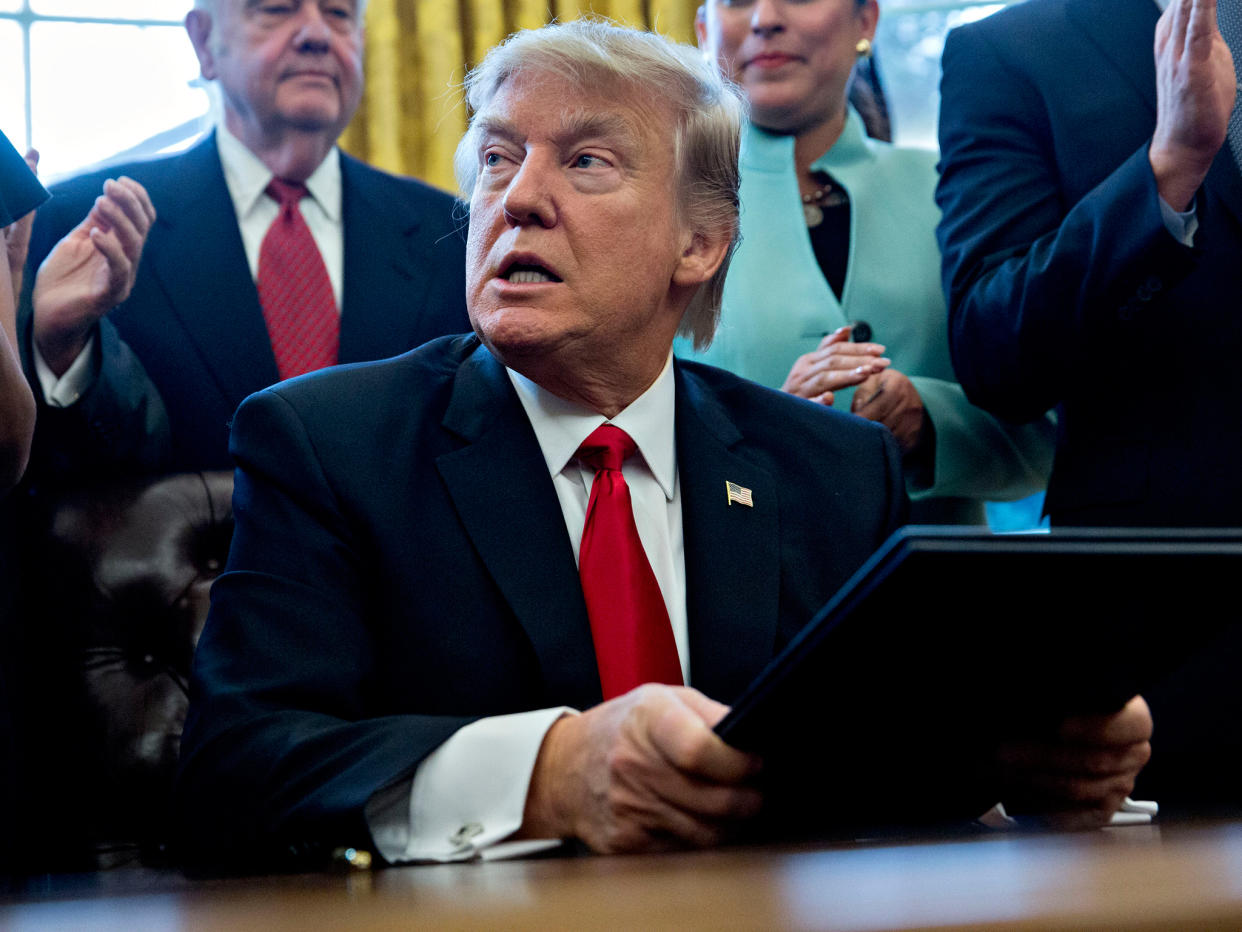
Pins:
x: 835, y: 364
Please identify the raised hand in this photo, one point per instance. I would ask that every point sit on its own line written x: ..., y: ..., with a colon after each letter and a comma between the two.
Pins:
x: 90, y: 271
x: 1195, y: 89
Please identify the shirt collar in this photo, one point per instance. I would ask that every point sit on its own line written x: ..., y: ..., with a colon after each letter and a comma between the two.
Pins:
x: 247, y: 177
x: 560, y: 426
x: 852, y: 145
x: 773, y: 152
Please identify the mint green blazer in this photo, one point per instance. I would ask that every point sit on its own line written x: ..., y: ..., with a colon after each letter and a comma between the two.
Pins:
x: 777, y: 306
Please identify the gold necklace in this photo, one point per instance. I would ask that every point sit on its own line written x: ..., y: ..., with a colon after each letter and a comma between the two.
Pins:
x: 813, y: 204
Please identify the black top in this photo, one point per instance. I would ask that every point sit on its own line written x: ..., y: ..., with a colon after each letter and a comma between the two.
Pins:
x: 20, y: 191
x: 831, y: 243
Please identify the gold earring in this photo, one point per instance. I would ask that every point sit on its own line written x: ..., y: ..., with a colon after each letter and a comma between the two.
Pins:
x: 863, y: 48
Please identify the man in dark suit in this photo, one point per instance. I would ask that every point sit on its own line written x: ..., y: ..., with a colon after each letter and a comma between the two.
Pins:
x: 1061, y: 134
x: 1091, y: 237
x: 142, y: 334
x: 395, y: 650
x: 290, y: 77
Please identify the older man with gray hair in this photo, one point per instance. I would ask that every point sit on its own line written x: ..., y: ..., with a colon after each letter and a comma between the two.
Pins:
x: 439, y: 558
x: 273, y: 254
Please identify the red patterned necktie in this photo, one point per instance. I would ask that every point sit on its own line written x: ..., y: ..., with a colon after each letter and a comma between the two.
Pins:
x: 629, y: 621
x: 294, y: 289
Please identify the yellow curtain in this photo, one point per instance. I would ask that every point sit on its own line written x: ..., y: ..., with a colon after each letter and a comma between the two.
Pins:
x: 418, y: 52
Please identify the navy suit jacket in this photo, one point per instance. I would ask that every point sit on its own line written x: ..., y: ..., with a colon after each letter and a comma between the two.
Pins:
x: 193, y: 323
x: 401, y: 566
x: 1065, y: 289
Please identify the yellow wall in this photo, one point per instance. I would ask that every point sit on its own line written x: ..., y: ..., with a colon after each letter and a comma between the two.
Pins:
x: 418, y: 52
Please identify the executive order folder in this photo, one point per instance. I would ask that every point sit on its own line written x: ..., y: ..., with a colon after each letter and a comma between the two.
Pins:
x: 885, y: 709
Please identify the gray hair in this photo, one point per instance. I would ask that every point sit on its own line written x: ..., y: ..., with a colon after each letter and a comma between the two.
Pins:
x: 708, y: 111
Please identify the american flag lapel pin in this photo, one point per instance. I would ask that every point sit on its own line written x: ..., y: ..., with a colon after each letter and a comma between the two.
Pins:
x: 740, y: 494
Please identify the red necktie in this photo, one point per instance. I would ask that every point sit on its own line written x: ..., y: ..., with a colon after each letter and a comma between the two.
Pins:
x: 629, y: 621
x: 294, y: 289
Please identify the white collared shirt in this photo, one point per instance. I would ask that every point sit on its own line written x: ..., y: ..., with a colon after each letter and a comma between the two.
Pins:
x: 246, y: 177
x: 470, y: 793
x: 561, y: 426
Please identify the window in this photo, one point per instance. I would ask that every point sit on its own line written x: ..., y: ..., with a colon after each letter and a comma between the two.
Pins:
x: 909, y: 40
x: 132, y: 87
x: 98, y: 80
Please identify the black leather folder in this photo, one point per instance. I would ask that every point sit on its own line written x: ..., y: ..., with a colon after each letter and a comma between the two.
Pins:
x: 889, y: 703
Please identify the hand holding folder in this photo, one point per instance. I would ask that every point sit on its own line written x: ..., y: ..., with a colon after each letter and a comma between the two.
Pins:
x: 906, y: 698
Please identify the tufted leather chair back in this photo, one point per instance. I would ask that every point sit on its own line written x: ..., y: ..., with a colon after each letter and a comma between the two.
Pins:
x: 128, y: 570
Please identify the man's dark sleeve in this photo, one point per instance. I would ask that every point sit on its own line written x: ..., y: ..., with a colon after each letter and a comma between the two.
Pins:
x: 286, y: 737
x: 1036, y: 286
x: 119, y: 426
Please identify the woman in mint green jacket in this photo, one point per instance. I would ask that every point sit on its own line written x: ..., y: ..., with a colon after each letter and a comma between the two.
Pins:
x: 838, y: 231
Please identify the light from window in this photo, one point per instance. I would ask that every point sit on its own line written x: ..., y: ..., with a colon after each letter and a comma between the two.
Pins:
x: 112, y: 9
x: 13, y: 80
x: 908, y: 46
x: 138, y: 89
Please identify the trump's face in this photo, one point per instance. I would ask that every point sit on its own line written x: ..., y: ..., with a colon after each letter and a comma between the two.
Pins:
x: 577, y: 261
x: 283, y: 65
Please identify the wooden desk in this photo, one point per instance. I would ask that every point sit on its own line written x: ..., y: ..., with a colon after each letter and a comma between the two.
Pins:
x: 1128, y: 878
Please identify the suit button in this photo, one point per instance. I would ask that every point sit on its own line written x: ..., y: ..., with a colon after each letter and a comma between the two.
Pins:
x: 861, y: 332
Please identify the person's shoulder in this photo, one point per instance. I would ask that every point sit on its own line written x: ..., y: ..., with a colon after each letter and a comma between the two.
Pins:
x: 358, y: 413
x: 144, y: 171
x: 1016, y: 24
x: 365, y: 383
x: 163, y: 177
x: 370, y: 179
x: 763, y: 412
x: 908, y: 167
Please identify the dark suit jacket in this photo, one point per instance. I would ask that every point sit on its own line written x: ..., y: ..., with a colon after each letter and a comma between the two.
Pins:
x: 400, y: 567
x: 1064, y: 287
x: 193, y: 321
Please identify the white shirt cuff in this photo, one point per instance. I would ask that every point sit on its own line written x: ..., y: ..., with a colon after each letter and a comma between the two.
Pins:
x: 467, y: 796
x: 62, y: 391
x: 1132, y: 812
x: 1183, y: 225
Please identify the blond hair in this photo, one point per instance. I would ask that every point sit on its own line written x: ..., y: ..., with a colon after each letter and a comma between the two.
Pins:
x: 708, y: 112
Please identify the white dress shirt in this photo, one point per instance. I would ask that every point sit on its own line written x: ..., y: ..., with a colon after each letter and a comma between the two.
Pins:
x: 470, y: 793
x: 246, y: 178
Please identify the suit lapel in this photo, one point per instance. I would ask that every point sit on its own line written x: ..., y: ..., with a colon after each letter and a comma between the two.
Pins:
x: 501, y: 489
x: 213, y: 297
x: 381, y: 296
x: 731, y: 551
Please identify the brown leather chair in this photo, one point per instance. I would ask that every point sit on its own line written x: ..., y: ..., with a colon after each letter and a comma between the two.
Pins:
x: 120, y: 595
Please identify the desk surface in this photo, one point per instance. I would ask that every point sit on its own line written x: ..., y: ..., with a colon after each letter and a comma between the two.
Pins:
x: 1151, y: 877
